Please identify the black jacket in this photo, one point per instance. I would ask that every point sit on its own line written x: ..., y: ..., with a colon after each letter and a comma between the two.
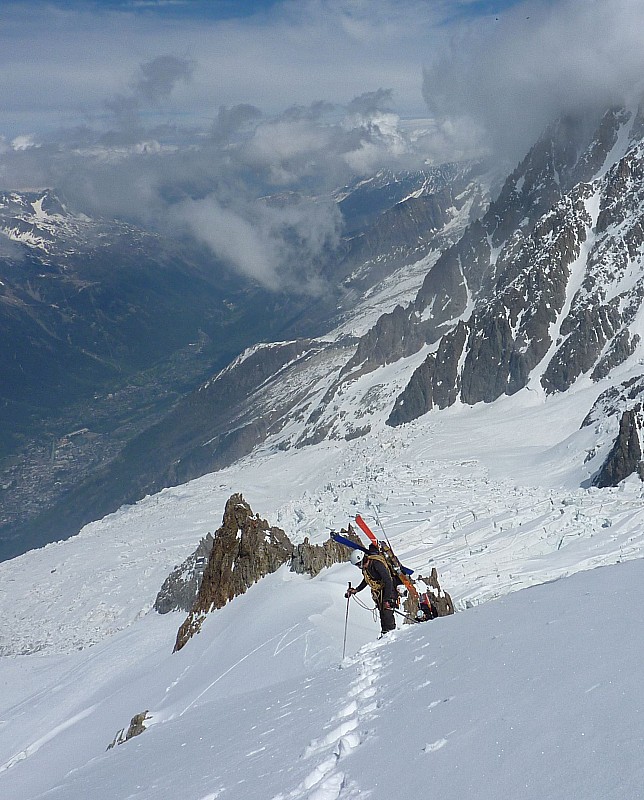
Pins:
x: 379, y: 573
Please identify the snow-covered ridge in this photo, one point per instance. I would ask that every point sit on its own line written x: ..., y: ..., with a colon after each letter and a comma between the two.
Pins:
x: 248, y: 353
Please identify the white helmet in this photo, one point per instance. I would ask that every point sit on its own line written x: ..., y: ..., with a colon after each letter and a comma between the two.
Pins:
x: 356, y: 557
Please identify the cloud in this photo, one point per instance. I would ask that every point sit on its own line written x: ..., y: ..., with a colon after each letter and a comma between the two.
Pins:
x: 231, y: 121
x: 278, y: 246
x: 158, y: 77
x: 501, y: 81
x: 256, y: 188
x: 60, y: 63
x: 370, y: 103
x: 242, y: 128
x: 24, y: 142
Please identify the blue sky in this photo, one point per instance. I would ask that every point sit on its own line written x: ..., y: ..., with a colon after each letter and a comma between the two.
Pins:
x: 207, y: 9
x: 233, y: 9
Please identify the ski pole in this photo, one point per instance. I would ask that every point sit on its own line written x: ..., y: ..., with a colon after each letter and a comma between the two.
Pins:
x: 384, y: 532
x: 346, y: 621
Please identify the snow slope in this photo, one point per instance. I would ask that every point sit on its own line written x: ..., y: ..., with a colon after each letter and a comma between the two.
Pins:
x: 535, y: 695
x: 538, y: 695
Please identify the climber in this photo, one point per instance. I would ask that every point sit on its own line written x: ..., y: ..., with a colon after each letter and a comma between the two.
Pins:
x: 376, y: 574
x: 426, y: 610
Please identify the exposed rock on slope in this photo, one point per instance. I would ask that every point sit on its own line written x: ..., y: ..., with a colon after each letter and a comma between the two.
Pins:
x: 311, y: 559
x: 625, y: 457
x: 618, y: 420
x: 468, y: 269
x: 136, y: 728
x: 181, y: 587
x: 556, y: 289
x: 440, y: 601
x: 243, y: 550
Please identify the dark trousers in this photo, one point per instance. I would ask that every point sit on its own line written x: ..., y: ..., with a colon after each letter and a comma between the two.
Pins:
x: 387, y: 620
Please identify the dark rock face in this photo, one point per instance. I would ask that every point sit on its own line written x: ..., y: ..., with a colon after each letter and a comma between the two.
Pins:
x: 136, y: 728
x: 180, y: 588
x: 245, y: 549
x: 445, y: 289
x: 393, y: 337
x: 518, y: 290
x: 625, y: 458
x: 434, y: 382
x: 417, y: 397
x: 622, y: 347
x: 508, y: 335
x: 311, y: 559
x: 564, y: 282
x: 618, y: 412
x: 587, y: 335
x: 597, y: 339
x: 242, y: 551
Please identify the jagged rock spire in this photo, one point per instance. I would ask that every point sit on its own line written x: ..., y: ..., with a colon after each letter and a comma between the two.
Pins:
x: 245, y: 549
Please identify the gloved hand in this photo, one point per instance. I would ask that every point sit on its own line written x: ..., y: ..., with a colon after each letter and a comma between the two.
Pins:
x: 390, y: 604
x: 349, y: 592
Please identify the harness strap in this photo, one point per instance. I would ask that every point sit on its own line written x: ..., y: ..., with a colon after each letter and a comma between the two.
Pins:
x: 375, y: 585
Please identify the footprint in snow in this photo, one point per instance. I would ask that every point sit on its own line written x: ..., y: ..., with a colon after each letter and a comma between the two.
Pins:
x: 330, y: 789
x: 434, y: 746
x: 361, y: 688
x: 332, y: 737
x: 347, y: 744
x: 318, y: 774
x: 435, y: 703
x: 348, y: 711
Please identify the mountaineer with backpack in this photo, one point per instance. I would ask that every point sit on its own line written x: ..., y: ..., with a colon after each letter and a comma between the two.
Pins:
x: 377, y: 575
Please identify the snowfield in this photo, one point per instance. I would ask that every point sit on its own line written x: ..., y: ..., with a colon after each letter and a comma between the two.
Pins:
x: 521, y: 694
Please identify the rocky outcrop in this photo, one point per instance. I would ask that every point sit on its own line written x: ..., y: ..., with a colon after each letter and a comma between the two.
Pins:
x: 617, y: 417
x: 135, y: 728
x: 245, y: 549
x: 311, y: 559
x: 508, y: 335
x: 180, y: 588
x: 439, y: 600
x: 622, y: 347
x: 435, y: 382
x: 417, y: 397
x: 625, y: 457
x: 242, y: 551
x: 394, y: 336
